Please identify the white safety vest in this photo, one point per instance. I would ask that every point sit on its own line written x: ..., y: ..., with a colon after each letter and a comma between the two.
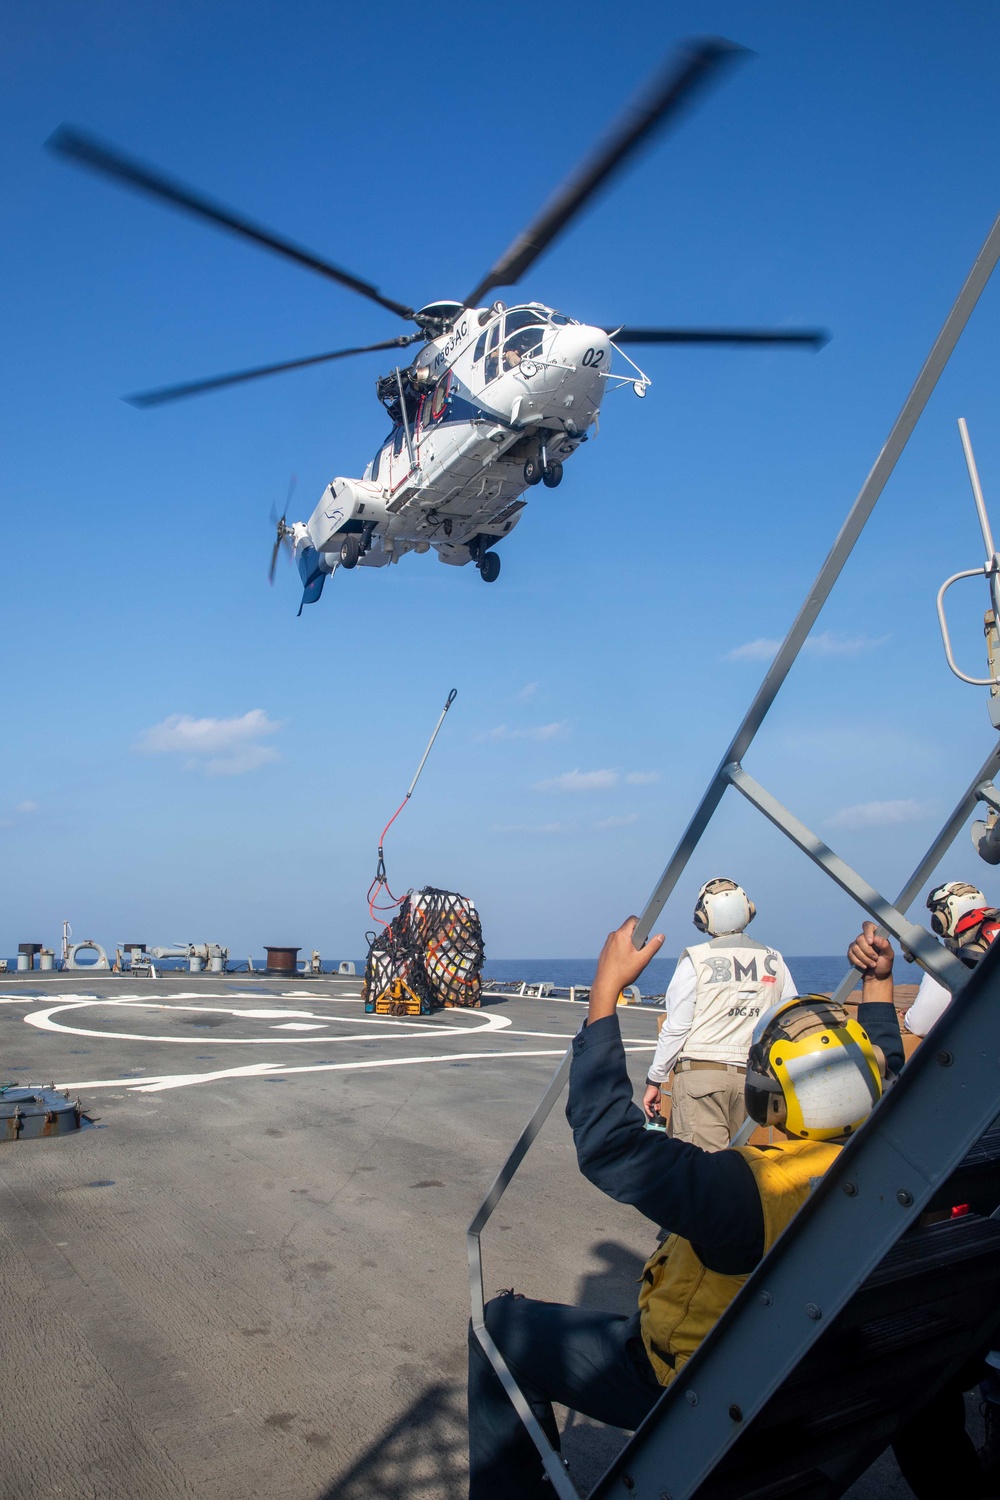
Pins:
x: 737, y: 981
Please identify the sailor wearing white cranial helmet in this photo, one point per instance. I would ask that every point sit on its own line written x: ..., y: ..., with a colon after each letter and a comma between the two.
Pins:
x: 719, y: 991
x: 960, y: 915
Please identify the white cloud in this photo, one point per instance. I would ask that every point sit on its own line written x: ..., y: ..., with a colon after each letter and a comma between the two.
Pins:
x: 527, y: 692
x: 642, y: 778
x: 217, y: 747
x: 878, y: 814
x: 536, y: 732
x: 19, y: 810
x: 762, y: 649
x: 621, y: 822
x: 578, y: 781
x: 827, y: 643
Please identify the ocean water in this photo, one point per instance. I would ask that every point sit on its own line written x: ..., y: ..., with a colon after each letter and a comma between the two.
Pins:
x: 811, y: 974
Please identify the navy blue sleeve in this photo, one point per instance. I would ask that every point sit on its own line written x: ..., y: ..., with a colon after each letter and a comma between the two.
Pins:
x: 708, y: 1197
x: 881, y: 1022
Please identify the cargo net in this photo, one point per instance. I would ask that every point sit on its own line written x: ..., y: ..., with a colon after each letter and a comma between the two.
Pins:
x: 430, y: 955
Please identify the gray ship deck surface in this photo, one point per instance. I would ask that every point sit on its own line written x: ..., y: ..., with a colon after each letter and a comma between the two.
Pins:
x: 250, y: 1280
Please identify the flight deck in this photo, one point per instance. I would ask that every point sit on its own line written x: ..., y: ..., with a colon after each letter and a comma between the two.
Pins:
x: 249, y: 1277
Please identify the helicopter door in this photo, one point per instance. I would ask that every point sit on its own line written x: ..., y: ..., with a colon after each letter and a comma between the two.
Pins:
x: 492, y: 365
x: 399, y: 459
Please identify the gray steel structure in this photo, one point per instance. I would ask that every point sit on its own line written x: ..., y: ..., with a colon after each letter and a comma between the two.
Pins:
x: 926, y: 1124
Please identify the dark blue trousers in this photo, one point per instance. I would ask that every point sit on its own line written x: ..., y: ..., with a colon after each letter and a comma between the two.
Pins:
x: 592, y: 1362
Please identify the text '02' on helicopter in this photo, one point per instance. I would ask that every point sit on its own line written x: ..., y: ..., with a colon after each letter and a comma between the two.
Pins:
x: 496, y: 399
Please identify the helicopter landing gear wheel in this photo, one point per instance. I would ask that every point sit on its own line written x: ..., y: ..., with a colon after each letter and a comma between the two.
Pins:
x: 350, y: 551
x: 532, y: 471
x: 552, y: 476
x: 489, y: 567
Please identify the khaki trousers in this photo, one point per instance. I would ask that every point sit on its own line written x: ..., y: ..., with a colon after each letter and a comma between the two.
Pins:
x: 706, y: 1107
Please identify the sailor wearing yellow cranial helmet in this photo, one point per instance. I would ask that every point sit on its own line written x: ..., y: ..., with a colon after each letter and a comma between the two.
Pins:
x: 812, y: 1070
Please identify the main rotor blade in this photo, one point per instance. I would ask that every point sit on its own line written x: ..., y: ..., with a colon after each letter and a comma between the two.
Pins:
x: 812, y: 338
x: 86, y: 151
x: 671, y: 91
x: 217, y: 382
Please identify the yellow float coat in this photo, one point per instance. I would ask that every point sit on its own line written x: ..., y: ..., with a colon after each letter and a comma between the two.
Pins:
x: 681, y: 1299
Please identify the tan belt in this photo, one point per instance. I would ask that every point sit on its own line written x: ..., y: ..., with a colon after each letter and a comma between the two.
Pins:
x: 693, y: 1064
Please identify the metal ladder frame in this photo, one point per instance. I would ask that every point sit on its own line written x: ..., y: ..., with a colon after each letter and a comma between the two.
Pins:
x: 752, y: 1349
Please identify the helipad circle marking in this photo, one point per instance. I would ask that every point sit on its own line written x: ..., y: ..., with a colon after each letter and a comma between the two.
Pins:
x: 44, y: 1020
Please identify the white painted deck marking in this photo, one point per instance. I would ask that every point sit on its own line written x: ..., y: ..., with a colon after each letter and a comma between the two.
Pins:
x: 46, y: 1020
x: 451, y: 1024
x: 156, y: 1085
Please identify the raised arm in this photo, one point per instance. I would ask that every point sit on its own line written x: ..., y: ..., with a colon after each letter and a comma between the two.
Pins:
x: 872, y: 954
x: 708, y: 1197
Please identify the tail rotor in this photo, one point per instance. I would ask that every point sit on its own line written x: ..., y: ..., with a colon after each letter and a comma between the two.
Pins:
x: 282, y: 531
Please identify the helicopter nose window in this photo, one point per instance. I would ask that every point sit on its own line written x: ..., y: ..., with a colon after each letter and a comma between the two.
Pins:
x: 518, y: 344
x: 523, y: 335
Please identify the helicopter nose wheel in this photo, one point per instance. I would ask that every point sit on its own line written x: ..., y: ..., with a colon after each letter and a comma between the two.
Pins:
x: 532, y: 471
x: 552, y: 476
x: 489, y: 567
x: 350, y: 551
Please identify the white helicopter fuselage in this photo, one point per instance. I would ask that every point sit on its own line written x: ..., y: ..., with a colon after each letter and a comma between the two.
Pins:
x: 502, y: 390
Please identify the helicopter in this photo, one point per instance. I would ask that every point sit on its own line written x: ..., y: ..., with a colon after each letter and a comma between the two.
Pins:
x: 497, y: 398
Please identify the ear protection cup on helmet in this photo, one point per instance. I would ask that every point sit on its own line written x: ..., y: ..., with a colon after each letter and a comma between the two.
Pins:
x: 950, y: 902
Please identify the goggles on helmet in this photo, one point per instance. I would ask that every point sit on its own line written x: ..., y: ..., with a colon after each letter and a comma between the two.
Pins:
x: 820, y: 1063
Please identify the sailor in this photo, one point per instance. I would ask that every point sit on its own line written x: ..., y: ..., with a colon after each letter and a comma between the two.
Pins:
x: 719, y: 990
x: 934, y: 1453
x: 960, y: 915
x: 724, y: 1211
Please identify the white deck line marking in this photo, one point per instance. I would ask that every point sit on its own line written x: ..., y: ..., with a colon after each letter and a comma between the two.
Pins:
x: 300, y: 1026
x: 43, y: 1020
x: 158, y: 1084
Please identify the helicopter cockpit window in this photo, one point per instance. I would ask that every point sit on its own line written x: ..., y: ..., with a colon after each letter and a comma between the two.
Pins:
x: 523, y: 335
x: 397, y: 440
x: 559, y: 319
x: 492, y: 360
x: 376, y: 462
x: 480, y: 346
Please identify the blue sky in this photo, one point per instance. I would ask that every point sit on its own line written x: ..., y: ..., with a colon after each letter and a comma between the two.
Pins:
x: 184, y: 759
